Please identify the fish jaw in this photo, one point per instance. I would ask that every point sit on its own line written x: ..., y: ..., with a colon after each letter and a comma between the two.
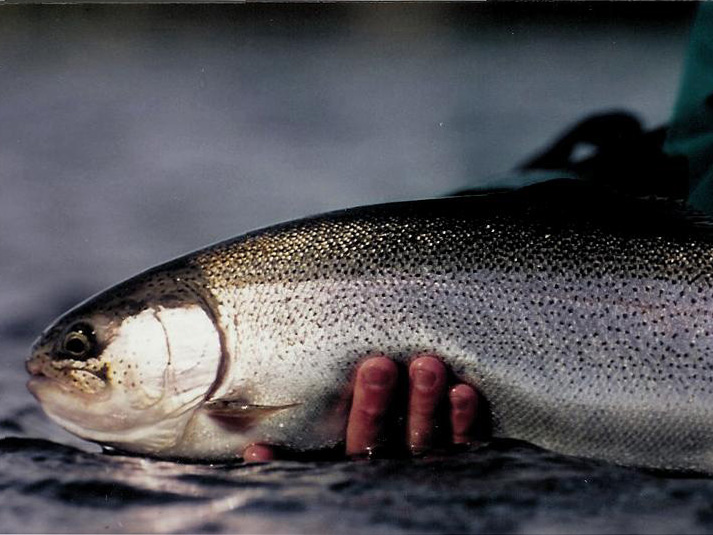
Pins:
x: 67, y: 406
x: 148, y: 436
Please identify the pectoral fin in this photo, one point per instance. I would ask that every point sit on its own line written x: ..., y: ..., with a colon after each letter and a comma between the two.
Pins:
x: 237, y: 415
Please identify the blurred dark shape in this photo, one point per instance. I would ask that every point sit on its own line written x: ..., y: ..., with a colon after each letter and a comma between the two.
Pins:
x: 619, y: 154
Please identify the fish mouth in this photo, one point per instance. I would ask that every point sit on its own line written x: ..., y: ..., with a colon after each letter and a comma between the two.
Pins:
x: 37, y: 369
x: 46, y: 389
x: 40, y: 380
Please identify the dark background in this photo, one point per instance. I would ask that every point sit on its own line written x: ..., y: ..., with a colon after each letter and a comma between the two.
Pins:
x: 133, y: 133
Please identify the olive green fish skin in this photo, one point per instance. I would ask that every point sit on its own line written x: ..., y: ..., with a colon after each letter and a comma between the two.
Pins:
x: 584, y: 320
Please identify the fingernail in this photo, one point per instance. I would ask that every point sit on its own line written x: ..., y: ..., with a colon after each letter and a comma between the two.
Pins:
x: 375, y: 376
x: 424, y: 379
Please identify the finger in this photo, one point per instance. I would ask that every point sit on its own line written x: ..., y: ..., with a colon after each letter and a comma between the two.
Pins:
x: 464, y: 407
x: 427, y: 382
x: 258, y: 453
x: 373, y: 390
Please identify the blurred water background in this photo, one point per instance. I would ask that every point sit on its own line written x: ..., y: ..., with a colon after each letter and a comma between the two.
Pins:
x: 130, y: 134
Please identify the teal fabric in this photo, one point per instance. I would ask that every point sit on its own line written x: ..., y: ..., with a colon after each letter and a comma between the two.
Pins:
x: 691, y: 128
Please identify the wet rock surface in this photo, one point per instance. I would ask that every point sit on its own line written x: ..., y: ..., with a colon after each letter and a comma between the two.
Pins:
x: 504, y: 487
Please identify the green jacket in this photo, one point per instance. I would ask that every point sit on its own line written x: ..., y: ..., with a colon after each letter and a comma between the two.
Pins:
x: 691, y: 128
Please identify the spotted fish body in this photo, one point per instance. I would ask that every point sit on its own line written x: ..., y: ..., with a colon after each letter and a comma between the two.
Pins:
x: 584, y: 319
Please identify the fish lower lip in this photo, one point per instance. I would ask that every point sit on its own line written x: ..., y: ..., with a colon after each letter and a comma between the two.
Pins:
x: 35, y: 381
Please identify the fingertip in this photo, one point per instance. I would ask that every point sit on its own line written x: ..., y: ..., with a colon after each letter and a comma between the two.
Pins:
x: 427, y: 374
x: 377, y: 372
x: 375, y: 384
x: 463, y: 397
x: 464, y: 409
x: 427, y: 377
x: 428, y: 362
x: 258, y: 453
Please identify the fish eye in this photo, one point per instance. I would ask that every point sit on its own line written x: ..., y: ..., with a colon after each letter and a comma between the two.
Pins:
x: 79, y: 342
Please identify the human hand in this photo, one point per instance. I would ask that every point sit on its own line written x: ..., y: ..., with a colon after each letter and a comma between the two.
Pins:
x: 374, y: 389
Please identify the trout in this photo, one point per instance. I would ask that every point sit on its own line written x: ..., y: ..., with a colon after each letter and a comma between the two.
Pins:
x: 584, y: 318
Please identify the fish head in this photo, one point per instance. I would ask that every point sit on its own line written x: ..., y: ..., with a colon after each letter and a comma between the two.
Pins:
x: 128, y: 367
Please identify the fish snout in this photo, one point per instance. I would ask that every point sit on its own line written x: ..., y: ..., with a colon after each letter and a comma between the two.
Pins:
x: 33, y: 366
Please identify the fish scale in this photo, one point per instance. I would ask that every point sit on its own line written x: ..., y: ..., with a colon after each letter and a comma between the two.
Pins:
x: 581, y: 316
